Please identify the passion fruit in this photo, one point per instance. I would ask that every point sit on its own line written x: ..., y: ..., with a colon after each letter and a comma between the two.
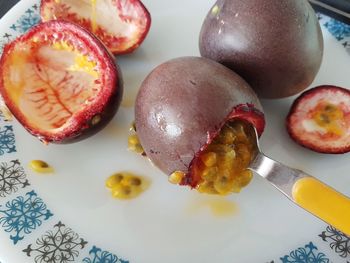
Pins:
x: 275, y: 45
x: 60, y: 82
x: 121, y: 25
x: 319, y: 119
x: 185, y: 118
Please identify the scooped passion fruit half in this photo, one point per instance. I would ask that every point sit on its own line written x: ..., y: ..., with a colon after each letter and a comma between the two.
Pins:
x: 60, y: 82
x: 190, y: 114
x: 121, y: 25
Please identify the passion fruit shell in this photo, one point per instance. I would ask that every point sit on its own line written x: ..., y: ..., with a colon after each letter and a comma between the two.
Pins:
x: 121, y: 25
x: 182, y: 106
x: 60, y: 82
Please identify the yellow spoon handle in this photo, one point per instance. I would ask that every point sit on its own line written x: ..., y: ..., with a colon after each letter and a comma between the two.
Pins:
x: 309, y: 193
x: 324, y: 202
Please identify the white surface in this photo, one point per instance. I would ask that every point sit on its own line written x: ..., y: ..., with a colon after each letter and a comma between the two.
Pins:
x: 158, y: 227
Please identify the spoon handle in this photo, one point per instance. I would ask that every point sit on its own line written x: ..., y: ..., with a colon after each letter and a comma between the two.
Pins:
x: 323, y: 201
x: 306, y: 191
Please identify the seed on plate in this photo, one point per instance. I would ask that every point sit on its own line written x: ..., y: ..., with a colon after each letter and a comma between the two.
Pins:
x: 134, y: 181
x: 125, y: 185
x: 40, y: 166
x: 121, y: 192
x: 114, y: 180
x: 176, y: 177
x: 134, y: 144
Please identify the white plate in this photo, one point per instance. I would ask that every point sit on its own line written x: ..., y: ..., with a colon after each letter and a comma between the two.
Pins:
x: 167, y: 223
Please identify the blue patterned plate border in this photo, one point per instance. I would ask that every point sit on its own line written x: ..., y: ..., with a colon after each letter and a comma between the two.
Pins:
x: 23, y: 212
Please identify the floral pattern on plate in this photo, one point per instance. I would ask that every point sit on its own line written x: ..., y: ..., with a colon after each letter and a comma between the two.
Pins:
x: 337, y: 240
x: 338, y: 29
x: 30, y: 18
x: 306, y: 254
x: 7, y: 140
x: 25, y: 22
x: 12, y: 177
x: 61, y: 244
x: 97, y: 255
x: 22, y: 215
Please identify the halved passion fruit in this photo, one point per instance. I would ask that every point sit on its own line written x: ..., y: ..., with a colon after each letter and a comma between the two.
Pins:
x: 191, y: 116
x: 122, y: 25
x: 60, y: 82
x: 320, y: 120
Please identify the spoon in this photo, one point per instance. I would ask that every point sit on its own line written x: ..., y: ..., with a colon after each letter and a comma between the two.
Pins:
x: 305, y: 190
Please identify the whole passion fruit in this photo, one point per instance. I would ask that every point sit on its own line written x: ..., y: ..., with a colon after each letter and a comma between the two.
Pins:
x: 60, y: 82
x: 275, y: 45
x: 186, y: 118
x: 121, y: 25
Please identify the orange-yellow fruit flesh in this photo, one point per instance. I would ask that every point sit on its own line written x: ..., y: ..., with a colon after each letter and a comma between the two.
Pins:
x: 329, y: 117
x: 222, y: 167
x: 126, y: 185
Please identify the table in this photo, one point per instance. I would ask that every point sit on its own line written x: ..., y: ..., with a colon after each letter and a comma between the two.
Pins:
x: 5, y: 5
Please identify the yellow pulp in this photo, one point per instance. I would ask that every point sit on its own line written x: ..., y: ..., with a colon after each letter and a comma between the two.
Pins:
x: 218, y: 206
x: 222, y: 167
x: 40, y: 166
x: 82, y: 62
x: 176, y: 177
x: 93, y: 16
x: 62, y: 45
x: 328, y: 116
x: 324, y: 202
x: 126, y: 185
x: 134, y: 144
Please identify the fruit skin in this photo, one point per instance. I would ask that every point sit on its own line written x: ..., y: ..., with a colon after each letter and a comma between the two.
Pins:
x: 182, y: 105
x: 83, y: 126
x: 275, y: 45
x: 49, y: 10
x: 301, y: 141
